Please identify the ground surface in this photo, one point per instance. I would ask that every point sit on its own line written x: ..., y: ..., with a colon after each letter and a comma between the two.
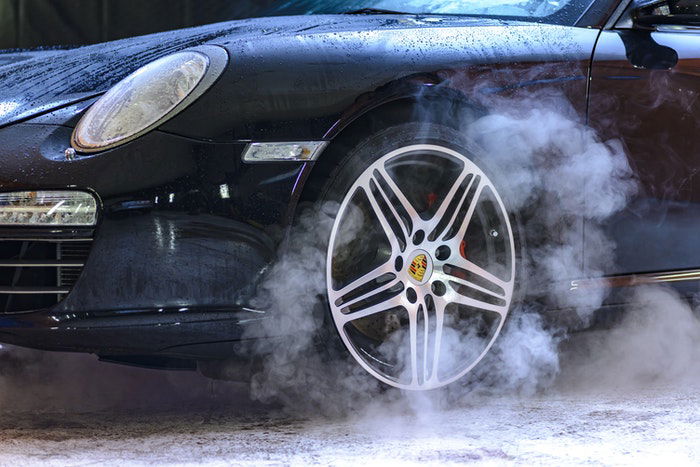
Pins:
x: 655, y: 426
x: 81, y: 412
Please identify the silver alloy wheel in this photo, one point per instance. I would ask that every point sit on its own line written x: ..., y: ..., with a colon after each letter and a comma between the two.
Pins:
x: 452, y: 309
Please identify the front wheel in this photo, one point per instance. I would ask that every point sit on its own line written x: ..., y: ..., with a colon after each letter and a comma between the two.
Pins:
x: 421, y: 259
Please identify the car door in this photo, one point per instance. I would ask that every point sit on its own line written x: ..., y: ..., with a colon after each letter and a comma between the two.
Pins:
x: 645, y: 91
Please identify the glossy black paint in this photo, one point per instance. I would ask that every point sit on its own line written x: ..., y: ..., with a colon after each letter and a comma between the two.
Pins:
x: 342, y: 63
x: 176, y: 257
x: 199, y: 332
x: 171, y: 246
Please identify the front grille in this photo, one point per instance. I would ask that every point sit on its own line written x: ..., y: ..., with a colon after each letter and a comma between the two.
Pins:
x: 38, y: 269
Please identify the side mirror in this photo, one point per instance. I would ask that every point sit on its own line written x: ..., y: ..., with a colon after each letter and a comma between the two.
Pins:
x: 650, y: 13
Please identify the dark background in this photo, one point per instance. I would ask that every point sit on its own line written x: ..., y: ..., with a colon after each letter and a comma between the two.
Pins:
x: 33, y: 23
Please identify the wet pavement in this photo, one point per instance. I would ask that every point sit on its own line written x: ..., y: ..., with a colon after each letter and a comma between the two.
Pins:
x: 654, y: 426
x: 81, y: 412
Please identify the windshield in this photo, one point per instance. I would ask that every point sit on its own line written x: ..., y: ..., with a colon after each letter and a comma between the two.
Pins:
x: 550, y: 11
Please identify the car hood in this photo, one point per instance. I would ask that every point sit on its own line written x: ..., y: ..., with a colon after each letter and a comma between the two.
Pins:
x: 37, y: 81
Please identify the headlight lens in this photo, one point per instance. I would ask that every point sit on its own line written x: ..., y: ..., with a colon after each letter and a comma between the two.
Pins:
x: 36, y: 208
x: 140, y: 102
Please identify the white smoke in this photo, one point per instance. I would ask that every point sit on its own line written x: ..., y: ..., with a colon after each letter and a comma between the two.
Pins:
x: 656, y: 344
x: 303, y: 371
x: 558, y: 173
x: 566, y: 178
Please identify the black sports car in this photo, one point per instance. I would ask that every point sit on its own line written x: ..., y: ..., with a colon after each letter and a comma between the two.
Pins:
x: 146, y: 184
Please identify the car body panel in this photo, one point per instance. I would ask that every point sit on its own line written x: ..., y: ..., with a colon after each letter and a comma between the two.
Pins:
x: 268, y: 93
x: 339, y: 63
x: 644, y: 92
x: 38, y: 82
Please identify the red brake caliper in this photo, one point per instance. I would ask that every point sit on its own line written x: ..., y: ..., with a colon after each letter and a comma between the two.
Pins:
x: 463, y: 249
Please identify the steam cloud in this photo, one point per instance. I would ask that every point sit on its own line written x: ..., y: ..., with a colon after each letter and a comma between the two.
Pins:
x: 657, y: 344
x: 558, y: 173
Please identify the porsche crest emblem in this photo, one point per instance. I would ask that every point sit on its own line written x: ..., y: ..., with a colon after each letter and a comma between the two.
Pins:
x: 418, y: 266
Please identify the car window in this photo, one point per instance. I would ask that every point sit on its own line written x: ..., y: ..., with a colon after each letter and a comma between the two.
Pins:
x: 549, y: 11
x: 537, y: 8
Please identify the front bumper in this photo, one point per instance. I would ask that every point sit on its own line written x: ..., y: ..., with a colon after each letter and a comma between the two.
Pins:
x: 185, y: 232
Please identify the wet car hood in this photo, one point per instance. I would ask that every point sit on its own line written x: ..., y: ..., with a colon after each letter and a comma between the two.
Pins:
x: 37, y: 81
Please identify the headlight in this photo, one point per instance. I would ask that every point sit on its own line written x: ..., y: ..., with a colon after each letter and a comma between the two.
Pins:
x: 36, y: 208
x: 148, y: 97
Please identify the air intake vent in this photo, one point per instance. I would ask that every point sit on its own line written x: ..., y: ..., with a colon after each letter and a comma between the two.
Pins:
x: 37, y: 269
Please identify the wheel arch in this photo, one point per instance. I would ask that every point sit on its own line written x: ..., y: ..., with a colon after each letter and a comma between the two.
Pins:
x: 423, y: 102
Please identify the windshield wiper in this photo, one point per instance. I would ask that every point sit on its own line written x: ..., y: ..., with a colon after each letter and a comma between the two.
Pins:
x: 375, y: 11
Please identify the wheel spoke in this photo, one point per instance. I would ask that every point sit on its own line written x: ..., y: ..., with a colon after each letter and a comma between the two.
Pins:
x: 461, y: 232
x: 472, y: 285
x: 405, y: 227
x: 456, y: 297
x: 369, y: 311
x: 397, y: 193
x: 482, y: 273
x: 426, y: 340
x: 382, y: 218
x: 372, y: 293
x: 442, y: 214
x: 413, y: 338
x: 437, y: 346
x: 485, y: 277
x: 361, y: 281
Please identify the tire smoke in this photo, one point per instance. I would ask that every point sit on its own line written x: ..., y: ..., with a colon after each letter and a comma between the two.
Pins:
x: 656, y: 345
x: 560, y: 177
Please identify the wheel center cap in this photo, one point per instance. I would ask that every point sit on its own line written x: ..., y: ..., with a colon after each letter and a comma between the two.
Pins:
x: 420, y: 268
